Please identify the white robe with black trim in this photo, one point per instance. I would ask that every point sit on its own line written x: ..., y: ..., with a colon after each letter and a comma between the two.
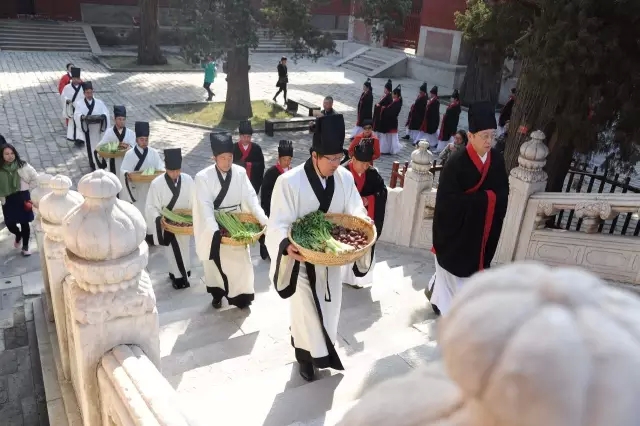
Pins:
x: 90, y: 133
x: 315, y: 291
x: 68, y: 98
x: 164, y: 193
x: 135, y: 160
x: 228, y: 271
x: 114, y: 164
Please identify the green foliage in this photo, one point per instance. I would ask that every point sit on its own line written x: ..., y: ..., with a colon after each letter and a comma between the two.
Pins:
x: 384, y: 16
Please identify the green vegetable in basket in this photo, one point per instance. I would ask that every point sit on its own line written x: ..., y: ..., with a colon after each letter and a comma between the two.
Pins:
x: 313, y: 232
x: 239, y: 231
x: 176, y: 217
x: 109, y: 147
x: 149, y: 171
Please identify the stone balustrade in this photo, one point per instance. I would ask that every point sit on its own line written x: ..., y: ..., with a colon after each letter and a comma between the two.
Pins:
x: 42, y: 189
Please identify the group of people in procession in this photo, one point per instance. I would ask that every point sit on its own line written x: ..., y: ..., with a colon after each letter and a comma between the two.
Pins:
x: 470, y: 205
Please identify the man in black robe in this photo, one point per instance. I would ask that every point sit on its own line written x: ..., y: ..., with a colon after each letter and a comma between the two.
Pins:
x: 471, y: 203
x: 383, y: 102
x: 365, y: 108
x: 432, y: 118
x: 388, y: 136
x: 249, y: 155
x: 450, y: 120
x: 285, y: 155
x: 416, y: 115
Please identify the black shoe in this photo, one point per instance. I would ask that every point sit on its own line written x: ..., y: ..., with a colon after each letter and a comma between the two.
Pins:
x: 435, y: 309
x: 180, y: 283
x: 274, y: 100
x: 149, y: 239
x: 175, y: 285
x: 407, y: 137
x: 216, y: 303
x: 264, y: 253
x: 307, y: 371
x: 171, y: 276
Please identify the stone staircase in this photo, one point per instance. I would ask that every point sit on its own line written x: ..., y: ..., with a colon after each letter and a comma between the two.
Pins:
x: 373, y: 62
x: 42, y: 36
x: 271, y: 43
x: 232, y: 366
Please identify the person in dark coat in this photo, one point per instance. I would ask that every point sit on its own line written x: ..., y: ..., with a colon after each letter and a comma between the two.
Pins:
x: 377, y: 110
x: 449, y: 123
x: 471, y: 204
x: 389, y: 142
x: 432, y: 119
x: 249, y: 155
x: 365, y: 108
x: 505, y: 113
x: 416, y: 116
x: 285, y: 155
x: 283, y: 79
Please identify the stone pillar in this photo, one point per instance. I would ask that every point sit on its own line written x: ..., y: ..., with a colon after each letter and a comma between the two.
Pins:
x: 109, y: 297
x: 524, y: 180
x: 36, y: 195
x: 53, y: 207
x: 409, y: 216
x: 352, y: 20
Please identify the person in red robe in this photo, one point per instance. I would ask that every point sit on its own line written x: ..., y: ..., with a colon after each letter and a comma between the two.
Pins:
x: 431, y: 120
x: 66, y: 78
x: 249, y: 155
x: 373, y: 191
x: 471, y: 203
x: 367, y: 133
x: 386, y: 100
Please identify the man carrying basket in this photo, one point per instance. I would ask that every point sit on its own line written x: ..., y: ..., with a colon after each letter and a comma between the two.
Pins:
x: 224, y: 187
x: 315, y: 291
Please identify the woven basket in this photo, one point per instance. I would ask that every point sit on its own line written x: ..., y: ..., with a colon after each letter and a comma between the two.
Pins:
x: 245, y: 218
x: 139, y: 177
x: 178, y: 230
x: 108, y: 154
x: 328, y: 259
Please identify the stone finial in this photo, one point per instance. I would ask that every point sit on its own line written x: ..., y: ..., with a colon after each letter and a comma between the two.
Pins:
x: 104, y: 237
x: 421, y: 158
x: 41, y: 189
x: 55, y: 205
x: 533, y: 157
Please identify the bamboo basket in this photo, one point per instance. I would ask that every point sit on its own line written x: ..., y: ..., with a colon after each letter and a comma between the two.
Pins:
x: 140, y: 178
x: 178, y: 230
x: 108, y: 154
x: 245, y: 218
x: 329, y: 259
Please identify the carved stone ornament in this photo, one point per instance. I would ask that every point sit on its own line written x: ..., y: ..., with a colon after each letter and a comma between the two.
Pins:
x: 421, y: 158
x: 546, y: 208
x: 104, y: 237
x: 532, y: 158
x: 41, y: 189
x: 595, y: 209
x: 55, y: 205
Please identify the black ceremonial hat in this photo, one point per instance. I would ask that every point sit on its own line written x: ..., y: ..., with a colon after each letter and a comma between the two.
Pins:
x: 173, y: 159
x: 388, y: 85
x: 398, y: 90
x: 423, y: 88
x: 142, y: 129
x: 75, y: 72
x: 119, y: 111
x: 364, y: 150
x: 244, y: 128
x: 482, y: 116
x: 285, y: 148
x: 367, y: 122
x: 328, y: 138
x: 434, y: 90
x: 221, y: 143
x: 87, y: 85
x: 455, y: 94
x: 368, y: 83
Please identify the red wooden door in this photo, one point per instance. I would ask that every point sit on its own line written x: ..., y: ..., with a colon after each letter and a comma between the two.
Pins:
x: 63, y: 10
x: 408, y: 35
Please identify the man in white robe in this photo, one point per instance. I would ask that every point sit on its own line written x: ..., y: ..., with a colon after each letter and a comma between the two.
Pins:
x: 315, y: 292
x: 71, y: 93
x: 92, y: 118
x: 173, y: 190
x: 224, y: 186
x: 125, y: 137
x: 138, y: 159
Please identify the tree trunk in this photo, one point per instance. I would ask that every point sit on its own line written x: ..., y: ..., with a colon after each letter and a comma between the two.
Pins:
x: 483, y: 77
x: 558, y: 161
x: 535, y: 109
x: 149, y: 45
x: 238, y: 103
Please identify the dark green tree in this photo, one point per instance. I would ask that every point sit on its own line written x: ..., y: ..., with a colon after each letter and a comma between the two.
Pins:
x: 149, y: 52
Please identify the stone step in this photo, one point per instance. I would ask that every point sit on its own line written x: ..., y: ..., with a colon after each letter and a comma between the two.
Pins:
x: 21, y: 47
x: 366, y: 62
x: 373, y: 59
x: 329, y: 418
x: 42, y: 39
x: 354, y: 67
x: 40, y: 30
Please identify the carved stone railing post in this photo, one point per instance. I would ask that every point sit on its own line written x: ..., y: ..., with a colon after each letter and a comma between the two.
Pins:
x: 109, y: 297
x: 53, y: 207
x: 593, y: 213
x: 37, y: 193
x: 524, y: 180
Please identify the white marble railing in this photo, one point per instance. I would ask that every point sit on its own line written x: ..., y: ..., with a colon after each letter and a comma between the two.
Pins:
x: 134, y: 392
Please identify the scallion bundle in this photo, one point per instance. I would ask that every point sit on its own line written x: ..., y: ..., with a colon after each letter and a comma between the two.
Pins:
x: 239, y: 231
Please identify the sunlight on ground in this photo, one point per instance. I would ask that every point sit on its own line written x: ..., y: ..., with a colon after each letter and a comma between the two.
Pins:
x: 174, y: 63
x: 211, y: 114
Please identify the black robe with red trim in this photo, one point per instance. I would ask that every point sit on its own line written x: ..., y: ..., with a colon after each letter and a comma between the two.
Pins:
x: 416, y: 115
x: 269, y: 181
x: 389, y: 116
x: 253, y: 162
x: 377, y: 112
x: 431, y: 117
x: 365, y: 108
x: 468, y: 218
x: 450, y: 120
x: 372, y: 187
